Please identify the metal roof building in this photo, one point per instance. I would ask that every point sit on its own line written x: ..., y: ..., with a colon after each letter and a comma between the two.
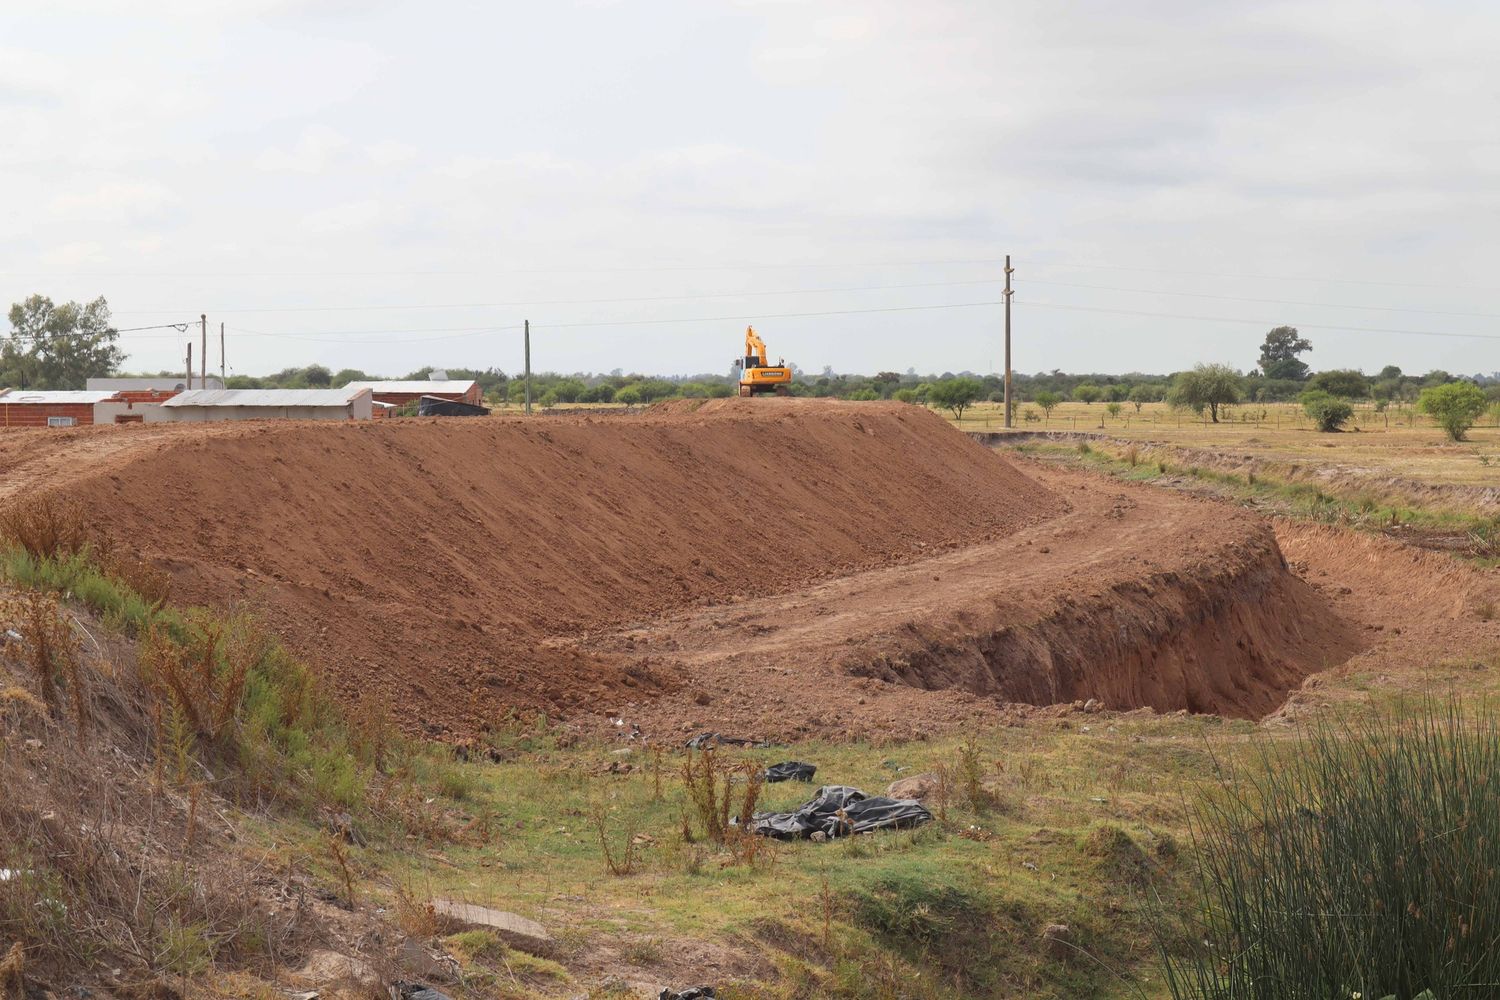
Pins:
x: 270, y: 404
x: 399, y: 391
x: 50, y: 407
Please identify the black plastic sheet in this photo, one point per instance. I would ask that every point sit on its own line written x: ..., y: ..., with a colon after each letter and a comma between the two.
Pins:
x: 839, y: 811
x: 791, y: 770
x: 691, y: 993
x: 416, y: 991
x: 437, y: 406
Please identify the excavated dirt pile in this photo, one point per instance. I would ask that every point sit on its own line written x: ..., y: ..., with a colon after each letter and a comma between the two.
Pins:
x: 777, y: 568
x: 452, y: 565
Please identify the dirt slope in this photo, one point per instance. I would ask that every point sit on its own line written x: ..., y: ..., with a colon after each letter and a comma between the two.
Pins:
x: 1134, y: 596
x: 449, y: 564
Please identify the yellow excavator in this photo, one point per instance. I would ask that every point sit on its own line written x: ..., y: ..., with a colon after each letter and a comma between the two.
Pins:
x: 757, y: 376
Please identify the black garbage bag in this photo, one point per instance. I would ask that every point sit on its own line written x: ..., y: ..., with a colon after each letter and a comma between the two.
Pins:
x: 704, y: 741
x: 838, y: 811
x: 691, y: 993
x: 791, y: 770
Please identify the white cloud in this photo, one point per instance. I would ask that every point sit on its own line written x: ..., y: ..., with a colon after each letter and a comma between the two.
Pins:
x: 312, y: 153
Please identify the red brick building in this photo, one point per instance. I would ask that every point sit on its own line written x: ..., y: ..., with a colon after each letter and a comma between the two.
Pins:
x: 50, y: 408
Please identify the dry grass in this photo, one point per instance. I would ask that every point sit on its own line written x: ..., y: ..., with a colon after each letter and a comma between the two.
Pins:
x: 1398, y: 442
x: 47, y: 526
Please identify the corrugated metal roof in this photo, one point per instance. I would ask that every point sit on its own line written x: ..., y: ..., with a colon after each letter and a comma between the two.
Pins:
x: 265, y: 397
x: 419, y: 386
x: 53, y: 396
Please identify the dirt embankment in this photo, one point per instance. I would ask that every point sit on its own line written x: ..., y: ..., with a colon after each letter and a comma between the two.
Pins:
x: 449, y: 566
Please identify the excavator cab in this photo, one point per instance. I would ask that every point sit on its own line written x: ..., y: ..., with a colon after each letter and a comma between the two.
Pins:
x: 757, y: 377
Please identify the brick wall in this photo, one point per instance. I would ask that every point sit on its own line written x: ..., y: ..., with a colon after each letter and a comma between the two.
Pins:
x: 36, y: 414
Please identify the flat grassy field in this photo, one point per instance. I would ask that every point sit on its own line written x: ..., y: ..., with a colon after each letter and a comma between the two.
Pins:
x: 1398, y: 442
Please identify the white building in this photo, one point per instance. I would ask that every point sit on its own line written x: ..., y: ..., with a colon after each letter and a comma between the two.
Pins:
x: 270, y: 404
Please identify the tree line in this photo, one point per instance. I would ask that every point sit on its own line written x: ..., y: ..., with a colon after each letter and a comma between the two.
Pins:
x: 59, y: 346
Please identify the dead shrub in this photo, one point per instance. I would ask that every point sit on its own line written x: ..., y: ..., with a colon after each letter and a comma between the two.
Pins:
x: 49, y: 649
x: 710, y: 785
x: 616, y: 864
x: 151, y: 583
x: 48, y: 526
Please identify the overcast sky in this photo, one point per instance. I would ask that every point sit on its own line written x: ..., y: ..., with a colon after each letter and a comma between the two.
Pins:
x: 288, y: 166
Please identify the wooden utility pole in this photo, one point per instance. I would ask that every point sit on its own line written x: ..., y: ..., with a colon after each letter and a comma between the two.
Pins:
x: 528, y: 366
x: 223, y: 371
x: 1009, y: 405
x: 203, y: 380
x: 190, y: 365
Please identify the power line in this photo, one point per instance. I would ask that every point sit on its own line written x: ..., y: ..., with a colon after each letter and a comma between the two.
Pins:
x: 748, y: 266
x: 1278, y: 302
x: 572, y: 302
x: 1268, y: 323
x: 1267, y: 277
x: 473, y: 331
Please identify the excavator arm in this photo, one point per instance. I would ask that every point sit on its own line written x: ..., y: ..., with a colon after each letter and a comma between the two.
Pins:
x: 755, y: 347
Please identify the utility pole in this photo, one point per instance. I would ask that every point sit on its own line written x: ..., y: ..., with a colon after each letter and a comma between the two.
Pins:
x: 190, y: 365
x: 203, y: 381
x: 1009, y: 405
x: 223, y: 371
x: 528, y: 366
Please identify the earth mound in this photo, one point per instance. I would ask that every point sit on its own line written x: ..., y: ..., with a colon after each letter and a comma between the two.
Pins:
x: 451, y: 566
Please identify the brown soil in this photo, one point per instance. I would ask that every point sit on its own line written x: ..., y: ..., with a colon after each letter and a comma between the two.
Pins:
x: 450, y: 565
x: 771, y: 568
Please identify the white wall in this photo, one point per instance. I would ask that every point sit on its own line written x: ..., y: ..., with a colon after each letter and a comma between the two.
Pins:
x: 151, y: 413
x: 188, y: 414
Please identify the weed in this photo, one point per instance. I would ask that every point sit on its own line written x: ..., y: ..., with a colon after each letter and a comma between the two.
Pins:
x: 51, y: 649
x: 47, y: 526
x: 623, y: 863
x: 644, y: 952
x: 970, y: 771
x: 1133, y: 456
x: 1084, y: 448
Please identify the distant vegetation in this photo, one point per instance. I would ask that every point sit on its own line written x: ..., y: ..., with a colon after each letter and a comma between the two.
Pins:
x: 52, y: 346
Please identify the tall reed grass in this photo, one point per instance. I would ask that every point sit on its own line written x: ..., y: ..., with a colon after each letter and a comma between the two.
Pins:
x: 1358, y: 860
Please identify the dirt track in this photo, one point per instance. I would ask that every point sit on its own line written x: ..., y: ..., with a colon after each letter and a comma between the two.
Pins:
x: 775, y: 568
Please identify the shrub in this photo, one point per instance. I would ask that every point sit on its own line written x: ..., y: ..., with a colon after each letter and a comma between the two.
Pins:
x: 1326, y: 410
x: 1455, y: 406
x: 1354, y: 861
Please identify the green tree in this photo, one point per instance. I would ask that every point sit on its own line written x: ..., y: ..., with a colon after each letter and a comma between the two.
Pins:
x: 1048, y: 401
x: 549, y: 398
x: 1112, y: 408
x: 905, y: 395
x: 956, y: 394
x: 58, y: 346
x: 630, y: 395
x: 1206, y: 387
x: 1346, y: 383
x: 1087, y: 393
x: 1144, y: 393
x: 1455, y: 406
x: 1326, y: 410
x: 1278, y: 355
x: 317, y: 376
x: 601, y: 393
x: 344, y: 376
